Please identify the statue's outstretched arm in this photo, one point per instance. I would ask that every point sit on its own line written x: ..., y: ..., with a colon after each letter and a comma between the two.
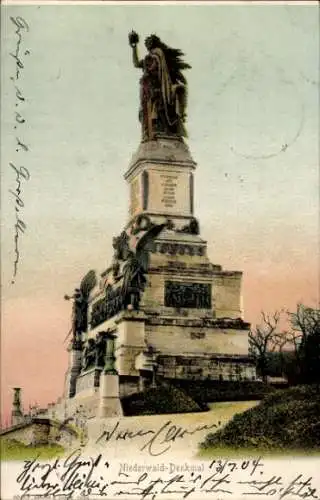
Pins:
x: 135, y: 58
x: 133, y: 42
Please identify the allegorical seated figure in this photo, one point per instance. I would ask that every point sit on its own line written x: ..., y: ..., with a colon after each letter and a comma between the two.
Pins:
x: 163, y: 88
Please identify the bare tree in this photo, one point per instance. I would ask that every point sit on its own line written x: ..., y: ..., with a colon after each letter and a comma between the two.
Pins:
x: 305, y: 338
x: 262, y: 339
x: 305, y: 322
x: 280, y: 341
x: 294, y: 340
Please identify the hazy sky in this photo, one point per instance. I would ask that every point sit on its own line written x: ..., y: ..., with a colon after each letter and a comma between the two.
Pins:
x: 253, y: 122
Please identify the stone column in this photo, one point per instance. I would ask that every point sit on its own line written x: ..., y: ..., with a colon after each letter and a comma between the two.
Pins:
x: 16, y: 414
x: 146, y: 365
x: 75, y: 363
x: 110, y: 404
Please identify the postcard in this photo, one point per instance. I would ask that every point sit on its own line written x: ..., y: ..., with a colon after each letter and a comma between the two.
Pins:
x: 160, y: 271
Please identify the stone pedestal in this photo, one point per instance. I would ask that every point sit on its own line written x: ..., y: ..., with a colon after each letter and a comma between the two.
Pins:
x: 130, y: 341
x: 16, y: 414
x: 145, y: 364
x: 110, y: 405
x: 89, y: 380
x: 75, y: 360
x: 160, y: 176
x: 189, y: 313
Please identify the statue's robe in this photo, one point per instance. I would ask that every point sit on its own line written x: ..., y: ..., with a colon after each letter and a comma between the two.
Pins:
x: 161, y: 99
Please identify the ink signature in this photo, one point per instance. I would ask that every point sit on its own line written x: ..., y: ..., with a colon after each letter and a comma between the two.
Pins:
x: 22, y: 172
x: 63, y: 478
x: 78, y: 477
x: 161, y: 439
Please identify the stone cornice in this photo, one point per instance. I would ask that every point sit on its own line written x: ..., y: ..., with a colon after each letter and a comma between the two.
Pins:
x: 130, y: 316
x: 163, y: 151
x: 217, y: 323
x: 210, y: 357
x: 196, y: 270
x: 148, y: 162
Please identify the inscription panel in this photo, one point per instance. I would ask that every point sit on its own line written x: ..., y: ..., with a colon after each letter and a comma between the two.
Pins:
x: 135, y: 196
x: 188, y: 295
x: 169, y: 192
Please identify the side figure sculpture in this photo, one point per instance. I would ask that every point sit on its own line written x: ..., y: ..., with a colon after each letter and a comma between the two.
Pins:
x: 135, y: 268
x: 163, y: 89
x: 80, y: 307
x: 89, y: 355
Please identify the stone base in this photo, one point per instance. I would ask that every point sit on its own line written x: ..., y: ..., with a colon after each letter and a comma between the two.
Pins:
x: 189, y: 320
x: 75, y: 360
x: 110, y: 404
x: 88, y: 380
x: 207, y: 367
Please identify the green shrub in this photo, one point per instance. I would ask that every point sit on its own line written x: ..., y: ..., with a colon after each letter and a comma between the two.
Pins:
x: 205, y: 391
x: 163, y: 399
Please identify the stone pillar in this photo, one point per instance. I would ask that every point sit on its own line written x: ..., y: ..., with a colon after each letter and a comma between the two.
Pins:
x: 130, y: 341
x: 75, y: 363
x: 16, y: 414
x: 146, y: 364
x: 110, y: 404
x: 109, y: 366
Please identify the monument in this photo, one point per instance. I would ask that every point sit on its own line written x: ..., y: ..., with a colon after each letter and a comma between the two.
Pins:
x: 17, y: 416
x: 161, y: 311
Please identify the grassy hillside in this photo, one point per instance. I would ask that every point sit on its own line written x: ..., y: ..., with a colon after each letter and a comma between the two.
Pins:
x: 11, y: 449
x: 285, y: 420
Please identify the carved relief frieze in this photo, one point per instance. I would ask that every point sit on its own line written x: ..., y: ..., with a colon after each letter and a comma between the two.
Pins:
x: 186, y: 295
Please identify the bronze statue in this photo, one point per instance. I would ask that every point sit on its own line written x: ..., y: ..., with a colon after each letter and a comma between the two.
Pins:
x: 100, y: 347
x: 135, y: 268
x: 121, y: 252
x: 163, y: 88
x: 121, y: 246
x: 89, y: 355
x: 191, y: 228
x: 133, y: 281
x: 80, y: 306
